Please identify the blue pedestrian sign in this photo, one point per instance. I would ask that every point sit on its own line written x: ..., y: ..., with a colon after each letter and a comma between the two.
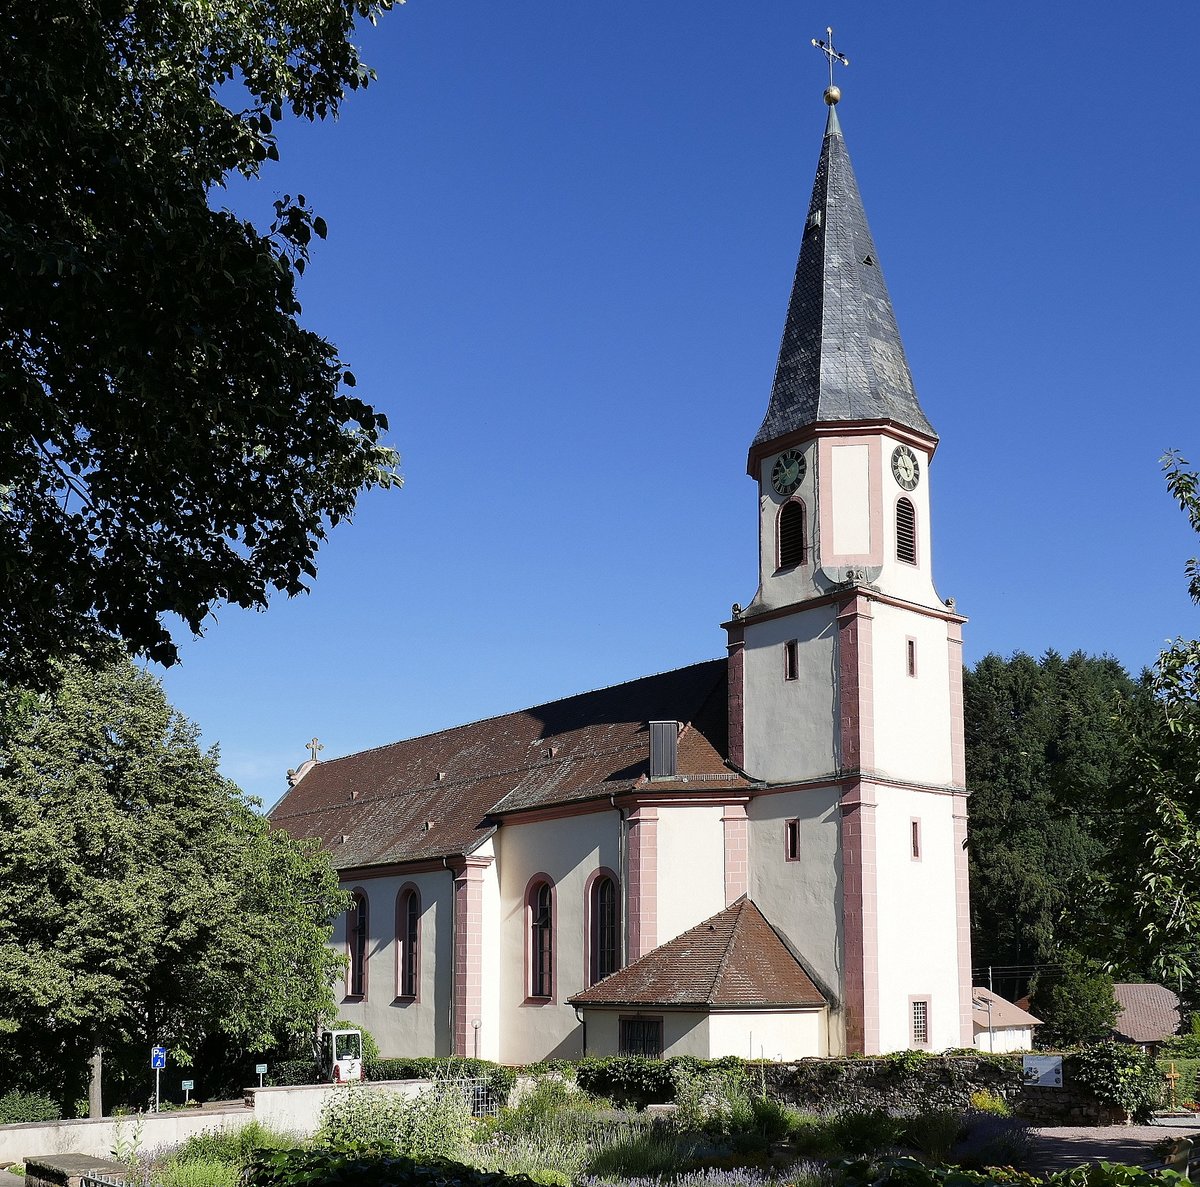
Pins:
x: 158, y: 1058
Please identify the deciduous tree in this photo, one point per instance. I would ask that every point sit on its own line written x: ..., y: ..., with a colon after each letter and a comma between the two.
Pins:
x: 144, y: 900
x: 170, y: 435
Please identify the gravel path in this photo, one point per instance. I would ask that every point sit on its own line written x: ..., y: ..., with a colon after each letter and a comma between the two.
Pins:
x: 1061, y: 1147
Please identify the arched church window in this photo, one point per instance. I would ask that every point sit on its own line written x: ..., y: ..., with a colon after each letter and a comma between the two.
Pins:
x: 604, y: 929
x: 408, y: 925
x: 357, y: 930
x: 791, y: 534
x: 906, y: 531
x: 541, y: 940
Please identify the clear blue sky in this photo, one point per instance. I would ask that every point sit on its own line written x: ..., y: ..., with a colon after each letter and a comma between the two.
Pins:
x: 562, y: 238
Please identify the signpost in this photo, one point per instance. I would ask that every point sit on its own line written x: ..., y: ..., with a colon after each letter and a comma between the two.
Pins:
x: 158, y: 1061
x: 261, y: 1069
x: 188, y: 1085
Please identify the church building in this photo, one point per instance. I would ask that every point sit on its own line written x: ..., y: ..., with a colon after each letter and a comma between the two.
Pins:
x: 758, y: 855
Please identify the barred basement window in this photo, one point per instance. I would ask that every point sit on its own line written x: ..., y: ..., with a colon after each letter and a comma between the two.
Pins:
x: 906, y: 532
x: 791, y: 534
x: 920, y: 1023
x: 641, y: 1036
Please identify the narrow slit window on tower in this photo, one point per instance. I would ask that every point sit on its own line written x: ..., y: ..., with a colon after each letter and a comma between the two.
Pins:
x: 915, y: 834
x: 791, y: 534
x: 906, y: 532
x: 791, y: 837
x: 910, y: 655
x: 791, y: 660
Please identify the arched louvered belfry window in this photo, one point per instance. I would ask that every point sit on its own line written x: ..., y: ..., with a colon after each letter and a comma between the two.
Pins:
x: 604, y: 928
x: 357, y: 931
x: 408, y: 924
x: 906, y: 531
x: 791, y: 534
x: 541, y: 940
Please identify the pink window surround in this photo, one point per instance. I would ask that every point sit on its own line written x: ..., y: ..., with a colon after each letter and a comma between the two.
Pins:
x: 590, y: 922
x: 358, y: 945
x: 914, y: 838
x: 642, y: 908
x: 540, y: 889
x: 791, y: 507
x: 962, y: 902
x: 914, y: 1017
x: 736, y: 701
x: 408, y: 946
x: 736, y: 828
x: 860, y: 908
x: 468, y: 951
x: 825, y: 501
x: 791, y: 840
x: 910, y: 655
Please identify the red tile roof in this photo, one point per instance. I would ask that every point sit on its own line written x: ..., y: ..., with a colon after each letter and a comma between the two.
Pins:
x: 1002, y: 1013
x: 436, y: 796
x: 1149, y: 1013
x: 734, y: 960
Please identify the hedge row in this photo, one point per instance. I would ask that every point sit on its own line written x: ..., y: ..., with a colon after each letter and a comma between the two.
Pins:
x: 335, y: 1168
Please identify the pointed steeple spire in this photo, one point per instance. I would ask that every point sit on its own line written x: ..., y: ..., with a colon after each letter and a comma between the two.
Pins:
x: 841, y: 357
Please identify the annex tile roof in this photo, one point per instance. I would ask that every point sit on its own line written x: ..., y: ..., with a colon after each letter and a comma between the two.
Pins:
x: 1149, y: 1013
x: 734, y: 960
x: 841, y: 358
x: 439, y: 795
x: 1001, y: 1014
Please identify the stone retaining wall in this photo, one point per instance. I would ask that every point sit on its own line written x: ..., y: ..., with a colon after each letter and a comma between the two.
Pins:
x: 940, y: 1081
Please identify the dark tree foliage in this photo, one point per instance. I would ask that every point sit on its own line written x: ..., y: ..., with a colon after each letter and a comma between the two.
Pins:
x: 1076, y: 1004
x: 144, y: 900
x: 1042, y: 747
x: 170, y: 436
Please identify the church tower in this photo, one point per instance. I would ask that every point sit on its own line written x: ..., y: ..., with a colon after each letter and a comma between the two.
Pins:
x: 845, y: 690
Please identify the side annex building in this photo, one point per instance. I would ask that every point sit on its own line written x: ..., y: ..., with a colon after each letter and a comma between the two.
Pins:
x: 758, y: 855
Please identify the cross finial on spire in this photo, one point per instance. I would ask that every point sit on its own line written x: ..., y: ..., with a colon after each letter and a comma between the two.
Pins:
x: 313, y: 747
x: 832, y: 93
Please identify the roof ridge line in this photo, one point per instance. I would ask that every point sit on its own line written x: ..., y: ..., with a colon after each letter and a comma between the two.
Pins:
x: 451, y: 729
x: 741, y: 905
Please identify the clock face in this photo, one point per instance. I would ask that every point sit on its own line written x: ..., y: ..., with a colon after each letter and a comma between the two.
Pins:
x: 788, y: 471
x: 905, y: 467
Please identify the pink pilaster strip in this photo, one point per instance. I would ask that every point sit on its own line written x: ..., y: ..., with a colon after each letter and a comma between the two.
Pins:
x: 861, y: 920
x: 736, y: 696
x: 468, y: 951
x: 962, y: 902
x: 856, y: 684
x: 958, y: 760
x: 643, y: 881
x: 737, y: 852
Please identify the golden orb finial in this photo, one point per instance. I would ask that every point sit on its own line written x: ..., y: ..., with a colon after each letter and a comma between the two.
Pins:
x: 832, y: 95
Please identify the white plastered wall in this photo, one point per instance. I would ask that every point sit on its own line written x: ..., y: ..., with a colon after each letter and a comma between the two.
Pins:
x: 917, y: 916
x: 802, y: 899
x: 691, y: 867
x: 790, y: 724
x: 1005, y: 1038
x: 403, y: 1028
x: 779, y: 1035
x: 685, y: 1032
x: 912, y: 713
x: 567, y: 850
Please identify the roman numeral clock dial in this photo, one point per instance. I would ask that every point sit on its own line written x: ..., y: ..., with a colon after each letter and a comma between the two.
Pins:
x: 788, y: 471
x: 905, y: 468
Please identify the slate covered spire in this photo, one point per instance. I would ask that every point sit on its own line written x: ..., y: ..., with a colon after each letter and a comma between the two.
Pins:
x: 841, y: 357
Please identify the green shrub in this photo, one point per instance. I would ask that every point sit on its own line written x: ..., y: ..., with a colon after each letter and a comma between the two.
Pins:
x: 909, y: 1172
x: 986, y: 1101
x: 19, y: 1108
x: 435, y: 1124
x: 628, y: 1080
x: 633, y: 1151
x: 934, y: 1132
x: 554, y: 1107
x: 232, y: 1146
x: 335, y: 1168
x: 293, y: 1071
x: 863, y: 1131
x: 1120, y: 1075
x: 1188, y: 1071
x: 498, y: 1080
x: 197, y: 1173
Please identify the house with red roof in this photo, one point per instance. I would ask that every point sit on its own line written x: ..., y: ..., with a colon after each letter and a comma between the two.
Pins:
x: 763, y: 853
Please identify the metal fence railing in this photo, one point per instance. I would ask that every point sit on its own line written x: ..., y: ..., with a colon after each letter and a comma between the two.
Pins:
x: 478, y: 1094
x: 95, y: 1179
